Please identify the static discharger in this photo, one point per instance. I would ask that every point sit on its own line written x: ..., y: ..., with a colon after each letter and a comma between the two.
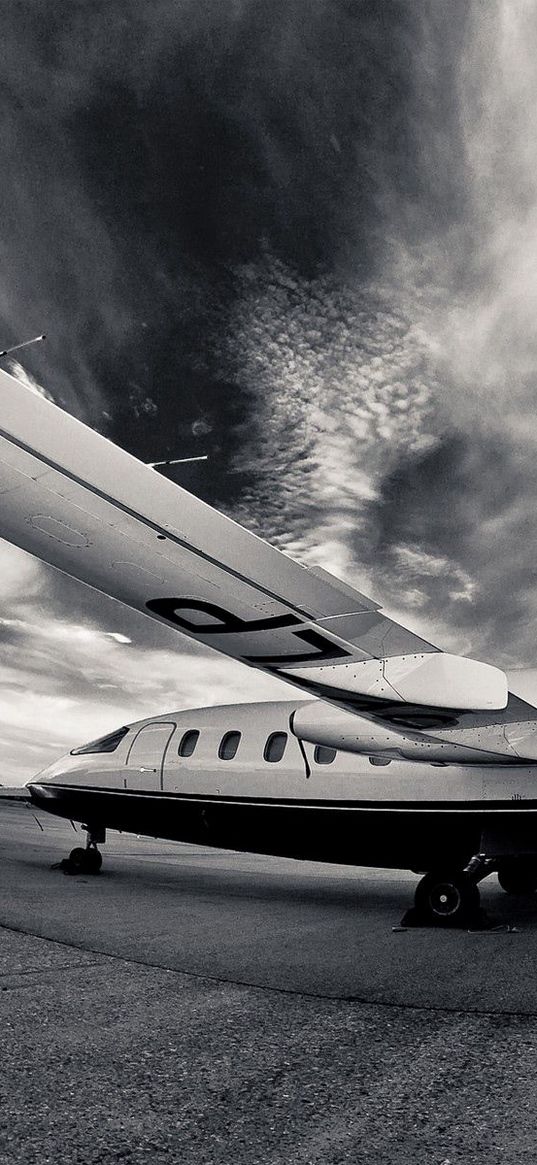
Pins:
x: 176, y: 460
x: 25, y: 344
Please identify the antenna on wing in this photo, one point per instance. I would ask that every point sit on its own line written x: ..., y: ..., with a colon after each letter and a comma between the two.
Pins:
x: 25, y: 344
x: 177, y: 461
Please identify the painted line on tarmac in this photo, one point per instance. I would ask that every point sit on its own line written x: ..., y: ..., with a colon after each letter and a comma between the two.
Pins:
x: 351, y: 999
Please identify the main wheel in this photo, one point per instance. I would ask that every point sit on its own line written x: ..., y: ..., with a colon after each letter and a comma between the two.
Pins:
x: 447, y: 898
x: 518, y: 875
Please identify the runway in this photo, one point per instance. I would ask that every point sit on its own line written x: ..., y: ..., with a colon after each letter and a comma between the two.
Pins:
x: 200, y: 1007
x: 318, y: 930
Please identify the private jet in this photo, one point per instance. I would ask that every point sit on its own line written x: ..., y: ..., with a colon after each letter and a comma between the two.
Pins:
x: 394, y: 753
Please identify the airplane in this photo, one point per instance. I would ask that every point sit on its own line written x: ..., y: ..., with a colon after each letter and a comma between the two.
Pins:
x: 402, y: 756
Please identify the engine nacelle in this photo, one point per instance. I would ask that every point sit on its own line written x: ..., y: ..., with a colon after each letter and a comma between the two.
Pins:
x: 322, y: 723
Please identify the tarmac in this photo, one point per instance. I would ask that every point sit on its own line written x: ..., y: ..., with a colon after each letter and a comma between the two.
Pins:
x: 195, y: 1005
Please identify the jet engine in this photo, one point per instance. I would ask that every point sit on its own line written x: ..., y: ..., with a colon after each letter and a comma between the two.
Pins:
x: 326, y: 724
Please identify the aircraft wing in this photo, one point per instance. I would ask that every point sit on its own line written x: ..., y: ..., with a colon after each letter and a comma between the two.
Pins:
x: 82, y: 504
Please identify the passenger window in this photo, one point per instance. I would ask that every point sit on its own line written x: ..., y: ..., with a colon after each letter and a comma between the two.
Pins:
x: 104, y: 744
x: 324, y: 755
x: 229, y: 745
x: 379, y: 760
x: 188, y: 742
x: 275, y: 747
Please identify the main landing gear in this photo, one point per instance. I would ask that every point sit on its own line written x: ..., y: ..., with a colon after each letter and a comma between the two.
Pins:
x: 447, y: 897
x: 87, y: 859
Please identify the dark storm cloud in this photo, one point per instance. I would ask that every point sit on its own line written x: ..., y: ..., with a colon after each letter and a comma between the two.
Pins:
x: 457, y: 522
x: 412, y: 385
x: 151, y: 149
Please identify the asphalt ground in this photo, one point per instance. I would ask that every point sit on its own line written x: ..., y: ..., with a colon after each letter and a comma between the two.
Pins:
x: 199, y: 1006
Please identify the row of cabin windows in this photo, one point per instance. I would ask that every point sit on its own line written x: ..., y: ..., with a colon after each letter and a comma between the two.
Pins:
x: 273, y: 751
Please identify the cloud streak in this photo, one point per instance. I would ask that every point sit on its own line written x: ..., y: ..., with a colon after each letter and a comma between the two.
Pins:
x: 63, y: 682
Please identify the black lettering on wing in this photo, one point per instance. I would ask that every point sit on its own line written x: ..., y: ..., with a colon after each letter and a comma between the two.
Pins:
x: 325, y: 649
x: 228, y: 624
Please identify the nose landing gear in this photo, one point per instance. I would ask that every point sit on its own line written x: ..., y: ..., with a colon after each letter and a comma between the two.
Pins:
x: 88, y: 859
x: 84, y: 861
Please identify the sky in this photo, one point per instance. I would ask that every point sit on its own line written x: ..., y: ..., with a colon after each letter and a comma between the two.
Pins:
x: 299, y: 236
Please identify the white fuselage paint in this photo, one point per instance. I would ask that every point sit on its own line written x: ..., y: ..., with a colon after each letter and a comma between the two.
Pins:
x: 348, y: 778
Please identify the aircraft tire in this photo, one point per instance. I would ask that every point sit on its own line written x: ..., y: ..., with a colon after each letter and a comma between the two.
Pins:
x: 447, y: 898
x: 85, y: 861
x: 77, y: 858
x: 518, y: 876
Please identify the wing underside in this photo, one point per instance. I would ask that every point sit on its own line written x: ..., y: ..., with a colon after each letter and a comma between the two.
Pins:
x: 82, y: 504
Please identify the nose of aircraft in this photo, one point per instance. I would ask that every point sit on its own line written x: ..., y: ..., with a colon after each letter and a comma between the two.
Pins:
x: 47, y: 774
x: 39, y: 786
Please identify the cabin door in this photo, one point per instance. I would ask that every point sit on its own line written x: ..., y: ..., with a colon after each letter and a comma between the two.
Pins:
x: 146, y: 756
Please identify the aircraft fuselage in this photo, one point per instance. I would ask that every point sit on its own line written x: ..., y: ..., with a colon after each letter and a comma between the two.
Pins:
x: 245, y: 782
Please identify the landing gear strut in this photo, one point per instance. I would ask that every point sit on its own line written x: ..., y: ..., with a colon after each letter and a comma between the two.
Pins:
x: 447, y: 897
x: 88, y: 859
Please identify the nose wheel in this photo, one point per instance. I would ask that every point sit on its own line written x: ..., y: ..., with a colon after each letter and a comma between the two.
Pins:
x: 86, y: 859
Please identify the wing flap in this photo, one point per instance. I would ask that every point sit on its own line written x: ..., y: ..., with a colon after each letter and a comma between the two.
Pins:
x: 375, y: 634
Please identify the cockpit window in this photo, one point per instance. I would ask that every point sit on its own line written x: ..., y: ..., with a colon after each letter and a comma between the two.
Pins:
x: 104, y: 744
